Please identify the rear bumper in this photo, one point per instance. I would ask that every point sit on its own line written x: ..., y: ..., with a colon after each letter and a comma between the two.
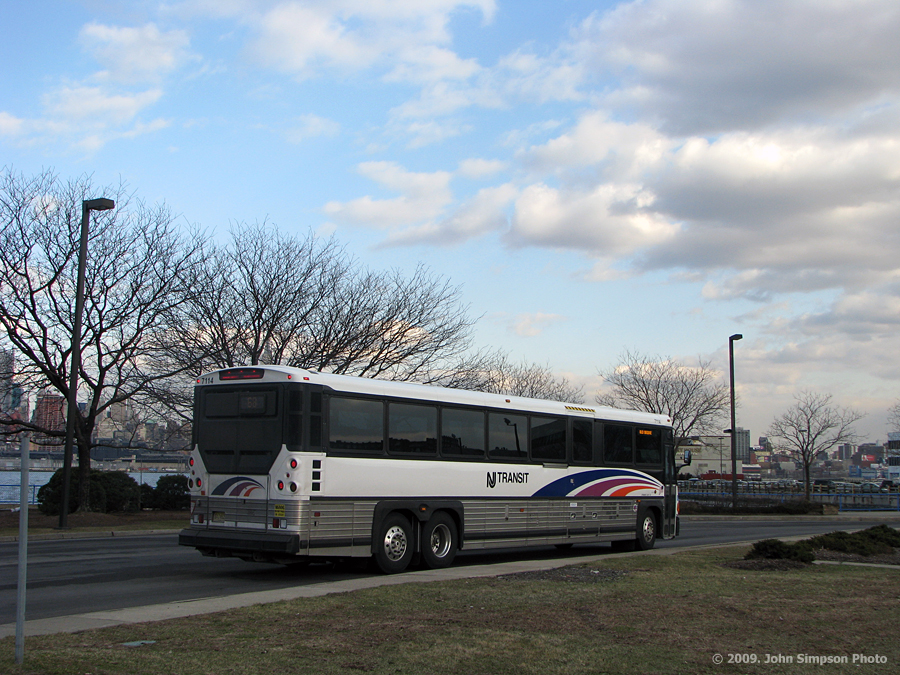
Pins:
x: 240, y: 542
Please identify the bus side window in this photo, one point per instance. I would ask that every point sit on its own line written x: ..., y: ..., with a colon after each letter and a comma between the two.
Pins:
x: 507, y: 436
x: 412, y: 429
x: 548, y: 439
x: 462, y: 433
x: 582, y: 440
x: 618, y: 444
x: 356, y: 425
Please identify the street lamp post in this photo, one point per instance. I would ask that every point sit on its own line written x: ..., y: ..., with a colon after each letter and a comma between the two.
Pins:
x: 87, y: 206
x: 731, y: 340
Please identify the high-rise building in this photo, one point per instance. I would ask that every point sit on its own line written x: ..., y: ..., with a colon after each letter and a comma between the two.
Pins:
x: 742, y: 444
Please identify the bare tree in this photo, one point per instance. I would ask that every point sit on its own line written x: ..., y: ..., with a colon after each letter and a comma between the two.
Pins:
x: 136, y: 270
x: 494, y: 372
x: 267, y: 297
x: 691, y: 396
x: 894, y: 417
x: 389, y: 326
x: 812, y: 426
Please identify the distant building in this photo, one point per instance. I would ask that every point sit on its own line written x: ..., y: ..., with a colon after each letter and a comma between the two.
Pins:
x: 711, y: 454
x: 50, y: 415
x: 10, y: 392
x: 845, y: 452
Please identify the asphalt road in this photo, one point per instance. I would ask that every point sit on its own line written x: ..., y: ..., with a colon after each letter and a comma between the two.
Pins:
x: 76, y: 576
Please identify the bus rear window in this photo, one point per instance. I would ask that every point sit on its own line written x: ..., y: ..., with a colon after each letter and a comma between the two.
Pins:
x: 239, y: 429
x: 230, y: 404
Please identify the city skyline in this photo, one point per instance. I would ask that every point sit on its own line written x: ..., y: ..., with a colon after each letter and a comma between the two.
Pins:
x: 598, y: 176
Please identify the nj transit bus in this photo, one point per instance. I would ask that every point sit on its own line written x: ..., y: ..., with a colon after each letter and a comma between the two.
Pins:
x: 290, y: 466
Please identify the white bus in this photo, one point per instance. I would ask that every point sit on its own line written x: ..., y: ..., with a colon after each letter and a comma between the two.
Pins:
x: 290, y: 465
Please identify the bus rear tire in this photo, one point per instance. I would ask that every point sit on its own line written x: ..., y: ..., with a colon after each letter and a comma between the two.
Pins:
x: 394, y: 544
x: 439, y: 541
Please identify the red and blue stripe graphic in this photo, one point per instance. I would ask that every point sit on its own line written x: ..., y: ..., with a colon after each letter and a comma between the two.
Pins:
x: 239, y: 486
x: 603, y: 483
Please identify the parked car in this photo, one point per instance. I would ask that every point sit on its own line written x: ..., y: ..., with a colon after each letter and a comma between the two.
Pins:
x: 872, y: 487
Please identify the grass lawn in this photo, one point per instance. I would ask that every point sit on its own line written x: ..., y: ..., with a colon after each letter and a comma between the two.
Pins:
x: 94, y: 522
x: 639, y: 614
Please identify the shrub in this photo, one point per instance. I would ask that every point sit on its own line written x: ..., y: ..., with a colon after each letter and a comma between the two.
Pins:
x: 873, y: 541
x: 109, y: 491
x: 171, y: 493
x: 147, y: 497
x: 122, y: 491
x: 775, y: 548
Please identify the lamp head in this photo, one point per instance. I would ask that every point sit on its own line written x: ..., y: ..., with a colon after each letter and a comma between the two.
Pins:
x: 101, y: 204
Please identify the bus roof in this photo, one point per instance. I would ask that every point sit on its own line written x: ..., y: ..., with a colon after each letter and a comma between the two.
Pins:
x: 422, y: 392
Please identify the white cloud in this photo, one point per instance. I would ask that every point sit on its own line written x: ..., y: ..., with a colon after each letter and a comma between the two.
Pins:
x: 423, y: 197
x: 624, y: 151
x: 475, y: 167
x: 94, y: 105
x: 10, y: 125
x: 408, y: 37
x: 531, y: 325
x: 135, y: 54
x: 484, y: 213
x: 296, y: 38
x: 607, y: 219
x: 311, y: 126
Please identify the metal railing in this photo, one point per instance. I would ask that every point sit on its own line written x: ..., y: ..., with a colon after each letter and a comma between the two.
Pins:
x: 844, y: 501
x: 10, y: 494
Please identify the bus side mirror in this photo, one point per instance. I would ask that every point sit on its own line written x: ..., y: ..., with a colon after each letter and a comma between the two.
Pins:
x: 687, y: 458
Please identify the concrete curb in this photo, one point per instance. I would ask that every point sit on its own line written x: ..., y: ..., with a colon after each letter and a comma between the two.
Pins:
x: 100, y: 534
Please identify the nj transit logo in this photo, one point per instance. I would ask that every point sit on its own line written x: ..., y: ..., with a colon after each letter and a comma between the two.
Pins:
x: 494, y: 477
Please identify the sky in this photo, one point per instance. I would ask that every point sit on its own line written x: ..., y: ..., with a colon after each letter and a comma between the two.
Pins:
x: 597, y: 177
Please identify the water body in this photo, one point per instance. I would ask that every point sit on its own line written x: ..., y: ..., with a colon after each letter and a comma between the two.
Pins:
x: 11, y: 481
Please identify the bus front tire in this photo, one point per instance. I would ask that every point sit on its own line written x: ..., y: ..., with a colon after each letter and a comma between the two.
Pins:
x: 439, y: 541
x: 646, y: 533
x: 394, y: 544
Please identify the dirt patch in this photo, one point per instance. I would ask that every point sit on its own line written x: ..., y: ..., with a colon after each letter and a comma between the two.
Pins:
x: 766, y: 564
x: 575, y: 573
x: 877, y: 559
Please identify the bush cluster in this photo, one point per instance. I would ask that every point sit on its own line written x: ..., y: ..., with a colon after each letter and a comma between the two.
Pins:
x: 115, y: 491
x: 873, y: 541
x: 775, y: 548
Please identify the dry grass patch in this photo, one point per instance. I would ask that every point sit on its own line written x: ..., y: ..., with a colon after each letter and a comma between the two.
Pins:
x: 650, y: 614
x: 38, y: 523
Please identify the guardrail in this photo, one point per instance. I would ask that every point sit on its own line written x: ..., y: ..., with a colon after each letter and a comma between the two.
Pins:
x: 11, y: 494
x: 844, y: 501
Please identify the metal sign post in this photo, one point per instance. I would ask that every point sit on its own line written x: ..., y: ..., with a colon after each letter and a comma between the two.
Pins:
x: 25, y: 447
